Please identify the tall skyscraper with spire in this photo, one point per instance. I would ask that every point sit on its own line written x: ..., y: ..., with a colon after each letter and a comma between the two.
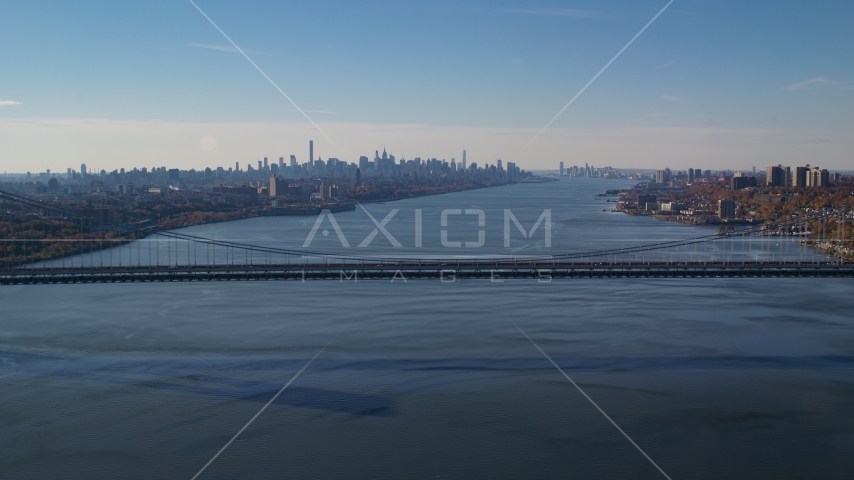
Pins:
x: 464, y: 159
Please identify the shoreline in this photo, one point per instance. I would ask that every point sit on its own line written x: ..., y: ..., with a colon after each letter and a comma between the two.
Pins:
x: 819, y: 246
x: 827, y: 243
x: 242, y: 214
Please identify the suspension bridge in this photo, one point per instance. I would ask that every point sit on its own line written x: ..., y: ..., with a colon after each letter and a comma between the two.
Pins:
x: 102, y: 250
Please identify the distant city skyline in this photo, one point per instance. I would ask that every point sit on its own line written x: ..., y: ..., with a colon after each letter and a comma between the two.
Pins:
x: 713, y: 83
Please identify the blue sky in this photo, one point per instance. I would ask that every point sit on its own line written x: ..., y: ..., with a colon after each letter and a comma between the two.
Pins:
x: 733, y: 78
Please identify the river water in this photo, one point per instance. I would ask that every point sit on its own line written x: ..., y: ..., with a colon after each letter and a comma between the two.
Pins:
x: 711, y: 378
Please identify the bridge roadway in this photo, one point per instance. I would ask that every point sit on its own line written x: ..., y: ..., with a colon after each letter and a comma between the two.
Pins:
x: 447, y: 271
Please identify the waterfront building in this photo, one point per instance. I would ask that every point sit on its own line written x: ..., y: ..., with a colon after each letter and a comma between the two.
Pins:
x: 276, y: 187
x: 646, y: 201
x: 726, y: 209
x: 672, y: 207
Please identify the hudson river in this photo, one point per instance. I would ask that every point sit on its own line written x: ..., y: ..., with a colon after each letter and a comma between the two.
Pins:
x: 713, y: 378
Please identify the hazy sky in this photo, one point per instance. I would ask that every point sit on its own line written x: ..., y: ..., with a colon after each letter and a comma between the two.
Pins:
x: 710, y: 84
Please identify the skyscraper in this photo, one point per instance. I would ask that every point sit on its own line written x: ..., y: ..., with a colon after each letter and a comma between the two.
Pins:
x: 775, y: 176
x: 311, y: 152
x: 562, y: 171
x: 281, y: 163
x: 817, y: 177
x: 83, y: 169
x: 800, y: 177
x: 293, y: 161
x: 464, y: 159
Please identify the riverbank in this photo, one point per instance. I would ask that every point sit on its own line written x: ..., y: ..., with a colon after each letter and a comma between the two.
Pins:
x: 775, y: 209
x: 31, y: 238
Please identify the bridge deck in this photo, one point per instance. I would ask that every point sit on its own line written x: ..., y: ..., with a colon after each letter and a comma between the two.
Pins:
x: 448, y: 272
